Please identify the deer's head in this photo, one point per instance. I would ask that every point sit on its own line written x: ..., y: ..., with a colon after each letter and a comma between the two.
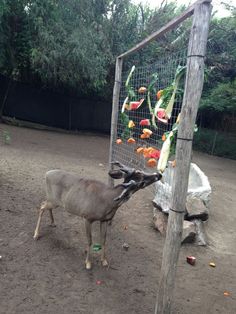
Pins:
x: 134, y: 180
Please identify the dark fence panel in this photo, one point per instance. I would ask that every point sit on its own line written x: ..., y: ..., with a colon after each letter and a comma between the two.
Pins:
x: 45, y: 107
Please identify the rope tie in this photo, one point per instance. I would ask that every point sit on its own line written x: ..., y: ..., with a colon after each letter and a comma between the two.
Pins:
x: 185, y: 139
x: 200, y: 56
x: 176, y: 211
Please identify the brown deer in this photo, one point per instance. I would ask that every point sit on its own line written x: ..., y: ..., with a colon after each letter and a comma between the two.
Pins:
x: 91, y: 199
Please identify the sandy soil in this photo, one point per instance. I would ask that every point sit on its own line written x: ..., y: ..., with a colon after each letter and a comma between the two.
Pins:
x: 48, y: 276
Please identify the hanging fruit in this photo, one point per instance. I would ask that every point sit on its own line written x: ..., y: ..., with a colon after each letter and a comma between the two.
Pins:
x: 145, y: 122
x: 146, y: 153
x: 134, y: 105
x: 131, y: 140
x: 144, y: 136
x: 147, y: 131
x: 142, y: 90
x: 151, y: 162
x: 119, y: 141
x: 155, y: 154
x: 161, y: 115
x: 131, y: 124
x: 163, y: 138
x: 139, y: 150
x: 159, y: 93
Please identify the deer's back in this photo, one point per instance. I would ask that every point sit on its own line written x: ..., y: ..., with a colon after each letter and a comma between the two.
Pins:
x: 87, y: 198
x: 91, y: 199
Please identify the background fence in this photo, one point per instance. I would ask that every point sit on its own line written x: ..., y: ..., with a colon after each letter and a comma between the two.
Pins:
x: 70, y: 113
x: 52, y: 109
x: 214, y: 142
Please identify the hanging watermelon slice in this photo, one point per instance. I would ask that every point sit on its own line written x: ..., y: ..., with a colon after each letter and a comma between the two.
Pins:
x: 134, y: 105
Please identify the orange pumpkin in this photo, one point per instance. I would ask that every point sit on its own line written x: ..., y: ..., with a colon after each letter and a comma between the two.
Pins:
x: 139, y: 150
x: 159, y: 93
x: 150, y: 150
x: 144, y: 136
x: 147, y: 131
x: 151, y: 162
x: 142, y: 90
x: 145, y: 153
x: 131, y: 140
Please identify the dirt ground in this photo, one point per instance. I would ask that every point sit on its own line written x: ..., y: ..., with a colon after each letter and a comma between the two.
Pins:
x: 48, y: 275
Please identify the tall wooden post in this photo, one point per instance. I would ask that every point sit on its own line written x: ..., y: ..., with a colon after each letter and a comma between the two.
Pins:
x: 192, y: 95
x: 115, y: 110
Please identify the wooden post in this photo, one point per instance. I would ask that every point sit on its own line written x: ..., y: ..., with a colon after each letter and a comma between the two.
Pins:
x: 115, y: 111
x: 192, y: 95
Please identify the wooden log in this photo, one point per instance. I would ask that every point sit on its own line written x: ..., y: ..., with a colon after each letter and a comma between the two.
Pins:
x: 115, y: 112
x: 169, y: 26
x: 192, y: 94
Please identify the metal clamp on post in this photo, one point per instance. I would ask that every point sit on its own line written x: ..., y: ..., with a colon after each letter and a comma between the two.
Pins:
x: 176, y: 211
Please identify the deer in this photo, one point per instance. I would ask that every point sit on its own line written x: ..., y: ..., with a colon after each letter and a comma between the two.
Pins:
x: 91, y: 199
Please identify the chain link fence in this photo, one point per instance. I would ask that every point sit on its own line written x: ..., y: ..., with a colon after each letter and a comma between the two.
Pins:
x: 165, y: 70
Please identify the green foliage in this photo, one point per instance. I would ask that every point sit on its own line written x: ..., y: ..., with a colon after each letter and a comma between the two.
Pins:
x: 14, y: 39
x: 71, y: 45
x: 125, y: 121
x: 215, y: 142
x: 221, y: 51
x: 69, y: 48
x: 222, y: 98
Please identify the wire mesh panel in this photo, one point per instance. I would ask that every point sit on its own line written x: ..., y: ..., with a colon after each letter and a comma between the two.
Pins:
x: 164, y: 70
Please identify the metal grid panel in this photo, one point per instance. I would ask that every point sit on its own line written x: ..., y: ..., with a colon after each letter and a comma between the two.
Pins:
x: 165, y: 68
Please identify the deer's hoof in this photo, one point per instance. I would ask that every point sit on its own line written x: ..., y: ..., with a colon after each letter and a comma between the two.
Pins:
x: 36, y: 237
x: 88, y: 265
x: 104, y: 263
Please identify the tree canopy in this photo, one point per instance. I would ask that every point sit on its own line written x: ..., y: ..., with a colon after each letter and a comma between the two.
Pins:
x: 71, y: 45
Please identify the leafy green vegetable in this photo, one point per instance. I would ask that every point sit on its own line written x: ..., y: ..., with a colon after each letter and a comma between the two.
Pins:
x: 126, y: 133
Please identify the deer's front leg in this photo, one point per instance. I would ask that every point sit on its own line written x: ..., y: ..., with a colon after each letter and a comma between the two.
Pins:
x: 41, y: 211
x: 88, y: 227
x: 103, y: 233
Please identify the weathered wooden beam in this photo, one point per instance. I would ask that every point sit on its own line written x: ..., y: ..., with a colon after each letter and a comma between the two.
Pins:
x: 192, y: 95
x: 169, y: 26
x: 115, y: 111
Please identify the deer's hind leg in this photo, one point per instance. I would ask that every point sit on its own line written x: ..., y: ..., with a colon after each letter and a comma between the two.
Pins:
x: 103, y: 233
x: 88, y: 228
x: 44, y: 206
x: 51, y: 218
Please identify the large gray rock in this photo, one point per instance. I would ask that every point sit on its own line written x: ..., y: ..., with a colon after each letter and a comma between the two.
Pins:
x: 200, y: 233
x: 189, y: 232
x: 160, y: 221
x: 196, y: 209
x: 198, y: 187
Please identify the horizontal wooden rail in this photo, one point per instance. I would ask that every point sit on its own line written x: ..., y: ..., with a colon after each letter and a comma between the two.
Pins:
x: 169, y: 26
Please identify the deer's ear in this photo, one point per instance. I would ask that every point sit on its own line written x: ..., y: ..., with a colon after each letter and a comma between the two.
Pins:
x: 116, y: 174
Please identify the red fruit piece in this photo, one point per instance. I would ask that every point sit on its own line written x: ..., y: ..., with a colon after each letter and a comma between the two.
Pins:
x: 144, y: 122
x: 191, y: 260
x: 136, y: 104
